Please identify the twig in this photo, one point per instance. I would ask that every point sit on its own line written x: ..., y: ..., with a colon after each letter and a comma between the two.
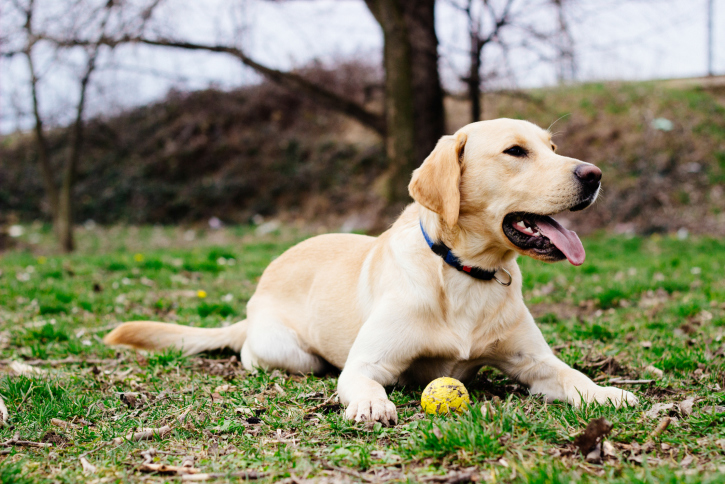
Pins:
x: 23, y: 443
x: 250, y: 475
x: 144, y: 434
x: 317, y: 407
x: 103, y: 444
x: 412, y: 403
x: 167, y: 469
x: 63, y: 424
x: 661, y: 427
x: 630, y: 382
x: 349, y: 472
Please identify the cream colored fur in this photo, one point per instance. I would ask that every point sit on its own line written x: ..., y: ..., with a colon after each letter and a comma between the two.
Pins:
x: 387, y: 309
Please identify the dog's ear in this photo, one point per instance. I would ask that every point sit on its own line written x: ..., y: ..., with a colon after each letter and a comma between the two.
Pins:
x: 436, y: 184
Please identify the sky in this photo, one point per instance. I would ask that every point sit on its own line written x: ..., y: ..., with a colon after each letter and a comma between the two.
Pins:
x: 613, y: 40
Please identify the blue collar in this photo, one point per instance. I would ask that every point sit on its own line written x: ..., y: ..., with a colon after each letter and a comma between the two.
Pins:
x: 446, y: 254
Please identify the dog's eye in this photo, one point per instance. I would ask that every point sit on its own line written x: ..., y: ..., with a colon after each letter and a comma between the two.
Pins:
x: 516, y: 151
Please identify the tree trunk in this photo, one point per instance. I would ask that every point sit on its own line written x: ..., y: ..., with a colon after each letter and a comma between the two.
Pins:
x: 64, y: 220
x: 474, y: 78
x: 400, y: 136
x: 428, y: 111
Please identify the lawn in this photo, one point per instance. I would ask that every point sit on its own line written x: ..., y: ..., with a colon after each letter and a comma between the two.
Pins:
x: 649, y: 311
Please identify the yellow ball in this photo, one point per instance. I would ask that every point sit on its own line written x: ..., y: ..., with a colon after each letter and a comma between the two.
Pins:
x: 444, y: 395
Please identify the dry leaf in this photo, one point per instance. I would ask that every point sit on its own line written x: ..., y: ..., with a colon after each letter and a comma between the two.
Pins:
x: 4, y: 414
x: 608, y: 450
x: 244, y: 411
x: 655, y: 371
x: 62, y: 423
x: 657, y: 408
x: 21, y: 369
x: 216, y: 398
x: 595, y: 456
x: 88, y: 468
x: 686, y: 406
x: 713, y: 409
x: 596, y: 429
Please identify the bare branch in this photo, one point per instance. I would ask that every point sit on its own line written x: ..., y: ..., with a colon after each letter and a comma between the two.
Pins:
x: 324, y: 97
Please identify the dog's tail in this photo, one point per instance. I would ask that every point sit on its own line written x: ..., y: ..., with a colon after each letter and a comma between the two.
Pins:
x: 148, y: 335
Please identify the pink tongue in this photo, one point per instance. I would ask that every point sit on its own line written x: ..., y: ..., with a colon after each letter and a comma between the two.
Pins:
x: 565, y: 240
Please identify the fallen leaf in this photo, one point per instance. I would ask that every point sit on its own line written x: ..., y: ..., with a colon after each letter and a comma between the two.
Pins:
x: 21, y: 369
x: 608, y: 449
x: 687, y: 461
x: 686, y: 406
x: 62, y: 423
x: 646, y: 344
x: 88, y: 468
x: 655, y: 371
x: 130, y: 399
x: 713, y: 409
x: 596, y: 429
x: 595, y: 456
x: 437, y: 432
x: 216, y: 398
x: 4, y: 414
x: 657, y: 408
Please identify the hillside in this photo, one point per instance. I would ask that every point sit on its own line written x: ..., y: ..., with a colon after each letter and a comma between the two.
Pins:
x: 262, y: 150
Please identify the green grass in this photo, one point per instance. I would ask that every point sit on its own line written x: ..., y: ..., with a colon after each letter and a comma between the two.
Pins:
x: 636, y: 302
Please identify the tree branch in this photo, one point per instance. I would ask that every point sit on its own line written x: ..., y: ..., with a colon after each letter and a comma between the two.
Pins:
x: 289, y: 80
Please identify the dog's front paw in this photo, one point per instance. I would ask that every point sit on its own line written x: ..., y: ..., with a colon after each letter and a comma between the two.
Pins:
x: 375, y: 410
x: 610, y: 396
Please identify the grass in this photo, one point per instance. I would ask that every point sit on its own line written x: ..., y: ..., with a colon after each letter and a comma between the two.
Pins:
x: 635, y: 303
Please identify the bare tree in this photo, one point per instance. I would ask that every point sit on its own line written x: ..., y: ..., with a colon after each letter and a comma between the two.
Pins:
x: 59, y: 179
x: 490, y: 23
x: 413, y: 117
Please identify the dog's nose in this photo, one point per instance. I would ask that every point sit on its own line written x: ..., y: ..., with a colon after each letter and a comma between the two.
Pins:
x: 588, y: 174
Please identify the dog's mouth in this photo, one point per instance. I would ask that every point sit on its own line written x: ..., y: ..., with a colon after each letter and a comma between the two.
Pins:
x: 543, y: 237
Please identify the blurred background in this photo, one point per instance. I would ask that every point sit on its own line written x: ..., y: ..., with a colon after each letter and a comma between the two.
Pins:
x: 315, y: 112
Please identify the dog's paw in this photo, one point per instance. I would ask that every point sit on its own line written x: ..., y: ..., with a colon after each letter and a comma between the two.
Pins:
x: 376, y: 410
x: 611, y: 396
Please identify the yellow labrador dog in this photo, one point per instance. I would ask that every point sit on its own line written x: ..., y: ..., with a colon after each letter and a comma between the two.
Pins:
x: 438, y: 294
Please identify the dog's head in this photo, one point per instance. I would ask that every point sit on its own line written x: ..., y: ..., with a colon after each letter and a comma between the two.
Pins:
x: 499, y: 182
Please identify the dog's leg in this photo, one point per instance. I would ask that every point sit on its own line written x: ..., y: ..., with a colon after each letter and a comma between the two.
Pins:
x: 271, y: 344
x: 375, y: 359
x: 526, y: 356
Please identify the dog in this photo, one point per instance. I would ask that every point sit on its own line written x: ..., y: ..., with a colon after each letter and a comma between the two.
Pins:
x: 438, y: 294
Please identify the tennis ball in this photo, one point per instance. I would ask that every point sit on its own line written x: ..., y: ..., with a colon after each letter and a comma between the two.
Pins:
x: 444, y: 395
